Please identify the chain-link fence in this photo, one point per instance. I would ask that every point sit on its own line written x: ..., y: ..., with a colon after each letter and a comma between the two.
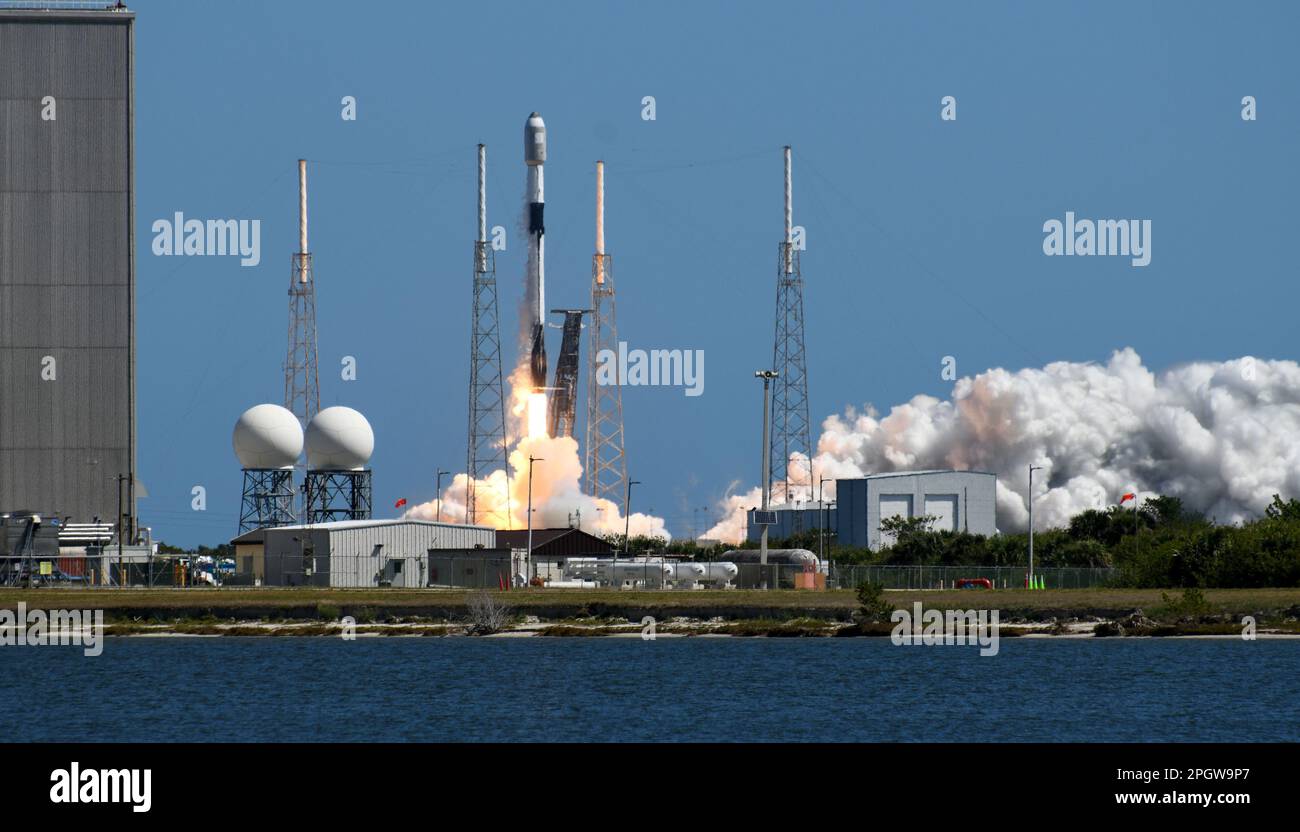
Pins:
x: 102, y: 570
x: 946, y: 577
x: 498, y: 571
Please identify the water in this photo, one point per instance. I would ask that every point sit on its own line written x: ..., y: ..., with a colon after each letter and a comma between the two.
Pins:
x: 540, y: 689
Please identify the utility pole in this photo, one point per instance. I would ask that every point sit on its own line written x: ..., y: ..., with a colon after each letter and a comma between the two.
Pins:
x: 766, y: 482
x: 528, y: 568
x: 121, y: 569
x: 1032, y: 469
x: 1137, y: 529
x: 440, y: 475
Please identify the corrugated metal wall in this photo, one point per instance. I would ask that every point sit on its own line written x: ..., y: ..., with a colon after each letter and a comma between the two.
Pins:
x: 354, y: 559
x: 347, y: 557
x: 65, y: 262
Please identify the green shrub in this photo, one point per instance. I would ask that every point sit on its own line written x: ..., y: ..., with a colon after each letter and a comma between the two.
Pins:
x: 872, y: 605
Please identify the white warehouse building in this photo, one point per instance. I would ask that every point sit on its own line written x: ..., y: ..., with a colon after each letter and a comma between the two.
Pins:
x: 964, y: 501
x: 361, y: 553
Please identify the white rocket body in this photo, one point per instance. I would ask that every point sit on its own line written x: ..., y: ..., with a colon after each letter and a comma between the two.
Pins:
x: 535, y: 159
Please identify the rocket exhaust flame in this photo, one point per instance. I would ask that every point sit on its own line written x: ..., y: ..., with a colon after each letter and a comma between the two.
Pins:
x: 557, y: 496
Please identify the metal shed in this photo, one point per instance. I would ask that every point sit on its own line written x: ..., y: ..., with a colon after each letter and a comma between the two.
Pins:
x: 365, y: 553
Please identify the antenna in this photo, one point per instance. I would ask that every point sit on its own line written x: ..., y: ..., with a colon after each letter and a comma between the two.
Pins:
x: 301, y: 381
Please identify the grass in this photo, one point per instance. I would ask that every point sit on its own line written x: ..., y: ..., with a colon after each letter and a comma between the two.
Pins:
x: 571, y: 606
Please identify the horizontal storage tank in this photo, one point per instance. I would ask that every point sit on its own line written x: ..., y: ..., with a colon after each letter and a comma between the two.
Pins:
x: 785, y: 557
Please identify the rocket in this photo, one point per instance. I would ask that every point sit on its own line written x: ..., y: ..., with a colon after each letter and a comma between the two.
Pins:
x: 535, y: 159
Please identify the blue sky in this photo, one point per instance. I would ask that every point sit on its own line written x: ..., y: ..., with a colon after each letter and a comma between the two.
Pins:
x: 924, y: 236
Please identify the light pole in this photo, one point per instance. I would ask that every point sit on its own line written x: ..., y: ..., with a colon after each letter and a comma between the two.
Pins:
x: 528, y: 567
x: 766, y: 376
x: 695, y: 521
x: 822, y: 513
x: 1032, y: 469
x: 627, y: 530
x: 441, y: 474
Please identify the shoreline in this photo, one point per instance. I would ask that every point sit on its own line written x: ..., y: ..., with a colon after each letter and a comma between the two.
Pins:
x: 670, y: 630
x: 551, y: 613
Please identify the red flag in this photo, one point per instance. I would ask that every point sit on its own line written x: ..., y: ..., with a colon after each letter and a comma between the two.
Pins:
x: 400, y: 503
x: 1127, y: 497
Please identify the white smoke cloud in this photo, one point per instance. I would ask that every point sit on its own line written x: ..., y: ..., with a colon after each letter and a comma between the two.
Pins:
x: 1223, y: 436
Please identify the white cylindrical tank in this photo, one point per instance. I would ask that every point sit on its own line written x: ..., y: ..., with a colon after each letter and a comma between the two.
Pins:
x: 719, y: 573
x: 686, y: 571
x: 267, y: 436
x: 339, y: 439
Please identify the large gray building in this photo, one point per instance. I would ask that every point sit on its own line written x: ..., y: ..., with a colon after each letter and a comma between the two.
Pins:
x: 959, y: 501
x: 964, y: 501
x: 67, y: 274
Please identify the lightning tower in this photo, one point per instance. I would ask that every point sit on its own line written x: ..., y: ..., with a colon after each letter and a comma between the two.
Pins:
x: 301, y: 382
x: 604, y: 468
x: 790, y: 391
x: 487, y: 405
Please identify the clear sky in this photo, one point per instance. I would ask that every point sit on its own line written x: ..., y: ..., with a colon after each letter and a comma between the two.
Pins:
x: 924, y: 236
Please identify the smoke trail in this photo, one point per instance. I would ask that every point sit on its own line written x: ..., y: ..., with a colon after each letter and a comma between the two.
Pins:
x: 1223, y: 436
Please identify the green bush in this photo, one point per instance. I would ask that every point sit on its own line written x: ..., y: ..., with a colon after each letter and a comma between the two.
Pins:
x: 872, y: 605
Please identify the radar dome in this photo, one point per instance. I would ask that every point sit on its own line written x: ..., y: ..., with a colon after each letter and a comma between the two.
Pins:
x: 267, y: 436
x: 339, y: 439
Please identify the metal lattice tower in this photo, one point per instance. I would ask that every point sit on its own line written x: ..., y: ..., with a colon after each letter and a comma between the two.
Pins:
x: 790, y: 393
x: 268, y: 499
x: 301, y: 382
x: 487, y: 404
x: 338, y: 495
x: 605, y: 465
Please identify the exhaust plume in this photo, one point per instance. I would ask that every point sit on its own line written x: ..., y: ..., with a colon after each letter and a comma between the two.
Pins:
x: 1222, y: 436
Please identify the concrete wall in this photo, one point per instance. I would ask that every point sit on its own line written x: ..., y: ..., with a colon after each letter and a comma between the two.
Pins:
x: 969, y: 497
x: 66, y: 270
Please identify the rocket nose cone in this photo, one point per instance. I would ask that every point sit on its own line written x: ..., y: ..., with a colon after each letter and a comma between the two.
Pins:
x: 534, y: 140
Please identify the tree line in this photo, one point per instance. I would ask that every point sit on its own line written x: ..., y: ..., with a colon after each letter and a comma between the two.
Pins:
x: 1158, y: 544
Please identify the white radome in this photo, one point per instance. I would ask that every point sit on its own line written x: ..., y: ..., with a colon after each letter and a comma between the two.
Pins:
x: 267, y: 436
x: 339, y: 439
